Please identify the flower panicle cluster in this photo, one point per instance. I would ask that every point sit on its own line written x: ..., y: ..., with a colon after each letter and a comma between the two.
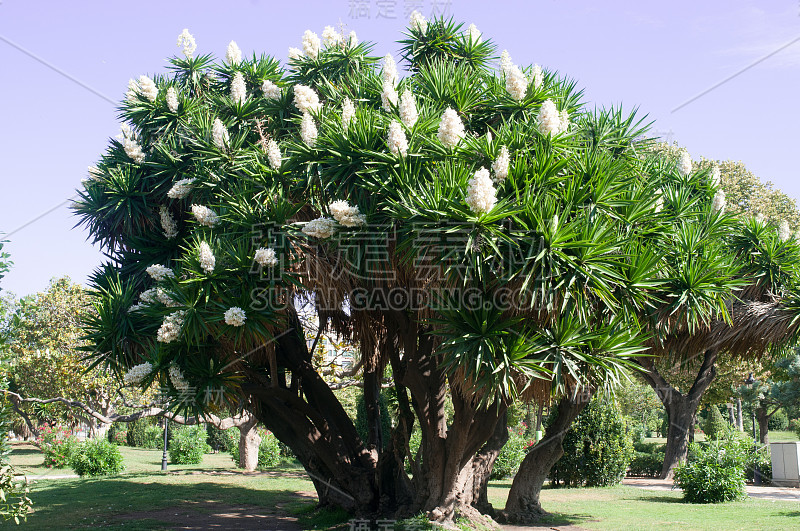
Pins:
x: 235, y: 316
x: 186, y: 40
x: 408, y: 109
x: 180, y: 189
x: 170, y: 329
x: 274, y: 155
x: 238, y: 88
x: 321, y: 228
x: 719, y: 202
x: 219, y: 134
x: 346, y: 215
x: 398, y: 144
x: 148, y: 88
x: 206, y: 257
x: 481, y: 194
x: 348, y: 113
x: 233, y: 54
x: 204, y: 215
x: 501, y: 164
x: 306, y: 99
x: 311, y: 44
x: 418, y: 22
x: 685, y: 163
x: 271, y: 90
x: 159, y: 272
x: 136, y: 374
x: 784, y: 231
x: 550, y: 120
x: 451, y: 128
x: 172, y: 99
x: 474, y: 34
x: 308, y: 130
x: 168, y: 223
x: 390, y: 75
x: 179, y: 382
x: 331, y: 38
x: 266, y: 256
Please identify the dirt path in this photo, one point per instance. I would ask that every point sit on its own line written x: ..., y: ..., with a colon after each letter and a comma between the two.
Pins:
x: 765, y: 493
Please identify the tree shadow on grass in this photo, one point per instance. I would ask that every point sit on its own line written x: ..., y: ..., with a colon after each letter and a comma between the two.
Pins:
x: 791, y: 514
x: 659, y: 499
x: 125, y: 501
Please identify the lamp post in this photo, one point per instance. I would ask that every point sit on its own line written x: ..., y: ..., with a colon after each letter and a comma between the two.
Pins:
x: 756, y: 474
x: 164, y: 455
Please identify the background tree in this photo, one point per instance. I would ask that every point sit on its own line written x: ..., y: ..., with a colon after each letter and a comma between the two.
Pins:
x: 778, y: 387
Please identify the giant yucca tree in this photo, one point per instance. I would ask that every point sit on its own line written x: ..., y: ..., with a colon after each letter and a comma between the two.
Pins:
x: 532, y: 284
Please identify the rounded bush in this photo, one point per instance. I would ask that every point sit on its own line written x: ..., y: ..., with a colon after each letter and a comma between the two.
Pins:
x: 715, y: 427
x: 511, y: 455
x: 779, y: 421
x: 117, y: 435
x: 597, y: 449
x: 145, y: 433
x: 96, y: 457
x: 57, y: 445
x: 188, y: 445
x: 714, y: 472
x: 647, y: 461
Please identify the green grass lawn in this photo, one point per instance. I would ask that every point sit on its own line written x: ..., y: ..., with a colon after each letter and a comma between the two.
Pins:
x: 144, y: 498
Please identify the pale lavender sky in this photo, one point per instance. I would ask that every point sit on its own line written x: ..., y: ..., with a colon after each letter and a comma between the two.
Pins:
x: 654, y: 55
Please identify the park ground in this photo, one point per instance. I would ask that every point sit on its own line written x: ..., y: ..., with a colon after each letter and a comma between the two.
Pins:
x: 215, y: 495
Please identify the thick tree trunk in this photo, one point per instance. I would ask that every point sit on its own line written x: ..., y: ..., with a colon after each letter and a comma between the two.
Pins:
x: 249, y: 441
x: 523, y: 505
x: 681, y: 408
x: 483, y: 463
x: 763, y: 425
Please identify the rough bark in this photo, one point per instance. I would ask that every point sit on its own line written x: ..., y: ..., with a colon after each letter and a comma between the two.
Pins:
x: 681, y: 408
x: 739, y: 420
x: 523, y: 505
x: 483, y: 463
x: 249, y: 441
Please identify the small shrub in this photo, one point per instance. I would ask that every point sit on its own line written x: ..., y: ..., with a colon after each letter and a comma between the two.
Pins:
x: 511, y: 455
x: 794, y: 425
x: 779, y: 421
x: 145, y: 433
x: 57, y: 445
x: 117, y: 435
x: 715, y: 426
x: 647, y: 460
x: 714, y: 471
x: 96, y: 457
x: 597, y: 449
x: 216, y: 438
x: 188, y: 445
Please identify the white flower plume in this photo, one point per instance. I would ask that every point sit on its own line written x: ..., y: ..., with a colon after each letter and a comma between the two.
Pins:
x: 398, y: 144
x: 715, y: 176
x: 186, y: 40
x: 718, y: 203
x: 158, y: 272
x: 219, y: 134
x: 295, y: 54
x: 346, y: 215
x: 306, y: 99
x: 389, y: 70
x: 474, y: 34
x: 550, y: 120
x: 168, y: 224
x: 235, y: 316
x: 501, y: 164
x: 505, y: 62
x: 238, y: 88
x: 130, y: 145
x: 516, y: 83
x: 321, y: 228
x: 418, y: 22
x: 331, y: 37
x: 137, y: 373
x: 266, y: 257
x: 180, y: 189
x: 685, y: 163
x: 352, y: 39
x: 274, y: 155
x: 206, y: 257
x: 148, y: 88
x: 170, y: 329
x: 451, y: 128
x: 311, y: 44
x: 481, y: 194
x: 348, y: 113
x: 388, y: 97
x: 308, y: 130
x: 271, y: 90
x: 233, y: 55
x: 176, y: 377
x: 408, y: 109
x: 204, y: 215
x: 784, y: 232
x: 538, y: 76
x: 172, y: 99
